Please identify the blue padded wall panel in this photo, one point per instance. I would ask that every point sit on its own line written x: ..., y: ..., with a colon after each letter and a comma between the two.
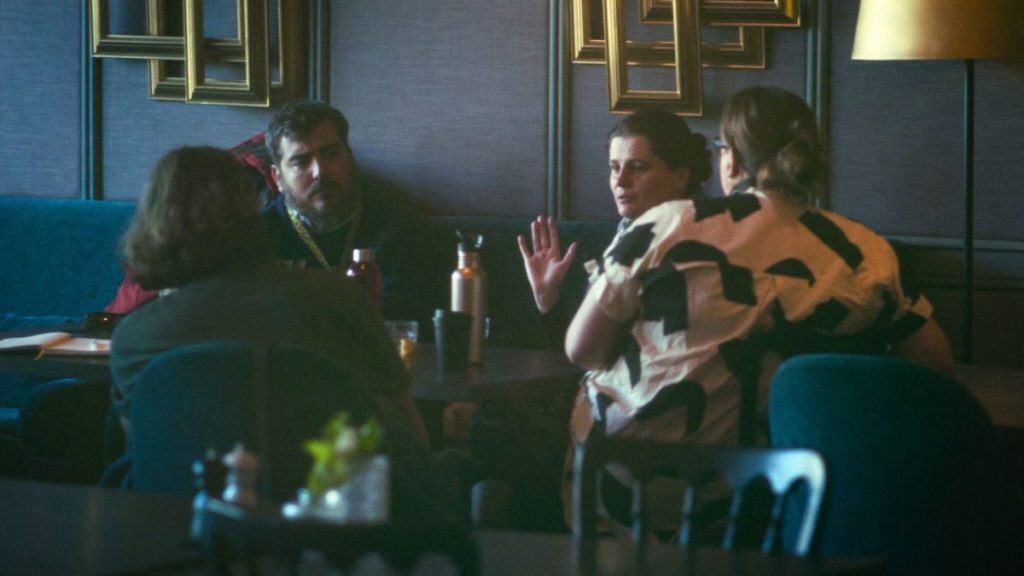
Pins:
x: 39, y: 98
x: 896, y: 133
x: 448, y: 102
x: 137, y: 130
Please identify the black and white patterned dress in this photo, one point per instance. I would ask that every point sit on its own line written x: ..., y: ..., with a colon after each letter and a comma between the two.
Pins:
x: 717, y: 291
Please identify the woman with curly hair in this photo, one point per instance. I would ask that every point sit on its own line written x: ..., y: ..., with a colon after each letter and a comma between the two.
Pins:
x: 199, y: 239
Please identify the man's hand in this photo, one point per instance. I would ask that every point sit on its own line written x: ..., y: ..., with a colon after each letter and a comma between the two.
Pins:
x: 545, y: 266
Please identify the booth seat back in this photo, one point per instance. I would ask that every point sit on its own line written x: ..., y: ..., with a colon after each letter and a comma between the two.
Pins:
x: 60, y: 256
x: 60, y: 260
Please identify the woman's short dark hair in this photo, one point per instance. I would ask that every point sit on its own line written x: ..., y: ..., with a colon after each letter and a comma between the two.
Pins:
x: 298, y: 119
x: 670, y: 139
x: 775, y: 136
x: 199, y: 215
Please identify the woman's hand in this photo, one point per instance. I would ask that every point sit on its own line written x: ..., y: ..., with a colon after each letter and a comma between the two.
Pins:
x: 545, y: 266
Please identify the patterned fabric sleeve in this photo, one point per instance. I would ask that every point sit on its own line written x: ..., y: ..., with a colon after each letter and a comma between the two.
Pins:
x: 627, y: 260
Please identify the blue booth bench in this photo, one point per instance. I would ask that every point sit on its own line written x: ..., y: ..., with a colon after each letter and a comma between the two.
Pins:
x: 61, y: 263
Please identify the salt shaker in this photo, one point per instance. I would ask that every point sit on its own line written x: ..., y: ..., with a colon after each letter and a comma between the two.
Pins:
x: 243, y: 470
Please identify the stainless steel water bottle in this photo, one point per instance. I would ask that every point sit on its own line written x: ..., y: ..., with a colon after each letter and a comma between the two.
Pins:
x: 469, y: 293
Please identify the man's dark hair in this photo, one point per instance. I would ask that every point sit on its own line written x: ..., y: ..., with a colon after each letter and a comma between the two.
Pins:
x: 199, y: 215
x: 298, y: 119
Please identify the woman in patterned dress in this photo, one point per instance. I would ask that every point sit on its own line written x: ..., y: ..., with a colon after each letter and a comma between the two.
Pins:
x: 698, y: 301
x: 698, y: 298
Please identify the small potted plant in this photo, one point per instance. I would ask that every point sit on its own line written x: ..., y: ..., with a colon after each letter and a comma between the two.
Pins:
x: 349, y: 481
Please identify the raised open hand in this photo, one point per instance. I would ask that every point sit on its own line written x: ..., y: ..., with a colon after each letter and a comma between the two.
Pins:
x: 545, y: 265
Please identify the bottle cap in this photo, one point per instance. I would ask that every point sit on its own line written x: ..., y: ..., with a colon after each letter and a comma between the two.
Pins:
x: 362, y: 255
x: 470, y: 242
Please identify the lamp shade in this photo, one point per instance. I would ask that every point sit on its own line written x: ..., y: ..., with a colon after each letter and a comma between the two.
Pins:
x: 938, y: 29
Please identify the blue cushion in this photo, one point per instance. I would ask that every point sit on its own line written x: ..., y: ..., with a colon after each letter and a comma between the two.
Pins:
x: 9, y: 421
x: 10, y: 321
x: 60, y: 256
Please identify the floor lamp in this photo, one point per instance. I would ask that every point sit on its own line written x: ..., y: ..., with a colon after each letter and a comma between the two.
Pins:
x: 945, y: 30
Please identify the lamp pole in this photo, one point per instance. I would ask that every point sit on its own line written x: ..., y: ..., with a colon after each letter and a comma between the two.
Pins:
x: 968, y: 302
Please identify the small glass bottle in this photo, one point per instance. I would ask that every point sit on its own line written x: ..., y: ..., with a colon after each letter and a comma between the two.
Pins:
x: 364, y: 270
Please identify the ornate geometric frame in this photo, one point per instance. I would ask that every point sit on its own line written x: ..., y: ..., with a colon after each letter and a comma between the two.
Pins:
x: 252, y: 31
x: 249, y: 48
x: 750, y: 17
x: 589, y: 47
x: 686, y: 99
x: 777, y: 13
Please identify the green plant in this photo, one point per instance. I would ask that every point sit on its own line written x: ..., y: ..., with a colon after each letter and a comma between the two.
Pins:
x: 341, y: 445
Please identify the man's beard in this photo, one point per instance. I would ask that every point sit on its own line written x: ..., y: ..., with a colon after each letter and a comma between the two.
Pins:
x: 330, y: 215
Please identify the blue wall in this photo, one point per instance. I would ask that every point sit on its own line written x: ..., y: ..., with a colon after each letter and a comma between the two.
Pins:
x: 449, y: 102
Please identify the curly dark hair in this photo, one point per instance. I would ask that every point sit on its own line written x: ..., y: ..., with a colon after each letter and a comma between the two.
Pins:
x: 775, y: 136
x: 199, y: 215
x: 670, y: 138
x: 298, y: 119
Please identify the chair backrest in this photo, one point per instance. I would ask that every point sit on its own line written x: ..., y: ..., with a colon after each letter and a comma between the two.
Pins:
x: 916, y: 472
x: 215, y: 394
x: 61, y: 425
x: 783, y: 471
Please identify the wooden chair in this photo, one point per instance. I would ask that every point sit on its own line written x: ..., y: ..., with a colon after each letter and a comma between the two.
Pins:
x: 698, y: 465
x: 917, y: 473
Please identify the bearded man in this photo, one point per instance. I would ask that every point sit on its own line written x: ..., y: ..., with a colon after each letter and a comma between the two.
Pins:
x: 321, y: 209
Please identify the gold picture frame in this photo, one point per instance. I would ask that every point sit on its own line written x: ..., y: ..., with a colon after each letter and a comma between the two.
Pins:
x: 686, y: 99
x: 290, y: 61
x: 774, y: 13
x: 252, y: 31
x: 151, y: 46
x: 587, y: 20
x: 250, y: 48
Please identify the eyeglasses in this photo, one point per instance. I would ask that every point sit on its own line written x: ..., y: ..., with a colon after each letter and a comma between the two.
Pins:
x: 720, y: 144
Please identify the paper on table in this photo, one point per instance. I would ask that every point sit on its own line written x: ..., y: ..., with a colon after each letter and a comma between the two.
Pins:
x: 58, y: 343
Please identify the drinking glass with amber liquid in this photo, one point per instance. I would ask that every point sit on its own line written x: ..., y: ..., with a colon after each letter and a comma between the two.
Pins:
x: 405, y: 333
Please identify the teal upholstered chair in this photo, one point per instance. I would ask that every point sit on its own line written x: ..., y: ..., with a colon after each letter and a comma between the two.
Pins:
x: 59, y: 432
x: 916, y: 471
x: 215, y: 394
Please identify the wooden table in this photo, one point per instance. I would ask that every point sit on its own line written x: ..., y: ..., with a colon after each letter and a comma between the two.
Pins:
x: 1001, y: 392
x: 505, y: 374
x: 54, y: 366
x: 531, y: 553
x: 64, y: 529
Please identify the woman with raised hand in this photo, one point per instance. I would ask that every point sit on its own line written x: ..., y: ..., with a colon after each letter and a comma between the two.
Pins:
x: 653, y: 157
x: 698, y: 301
